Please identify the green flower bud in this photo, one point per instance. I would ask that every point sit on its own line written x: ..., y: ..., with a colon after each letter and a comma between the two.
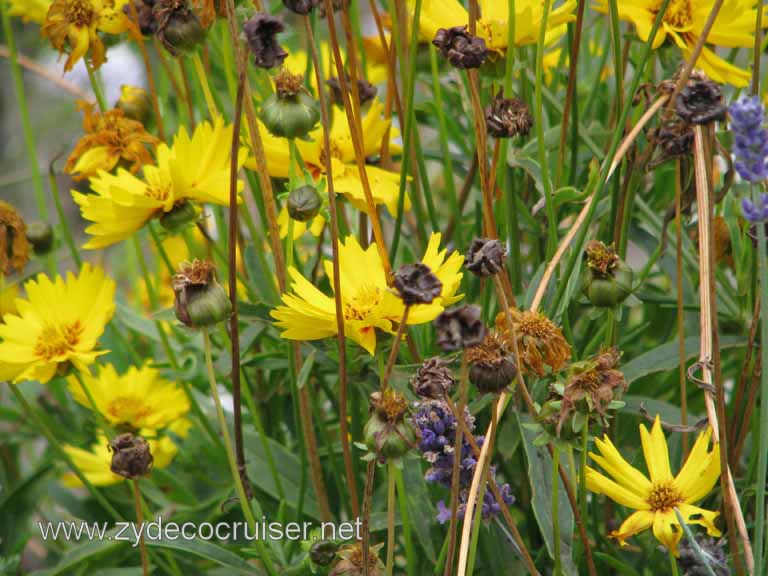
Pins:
x: 304, y: 203
x: 200, y: 301
x: 291, y: 112
x: 40, y: 235
x: 388, y: 434
x: 182, y: 32
x: 179, y: 217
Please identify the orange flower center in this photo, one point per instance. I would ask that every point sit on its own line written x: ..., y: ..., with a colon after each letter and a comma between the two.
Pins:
x: 679, y: 13
x: 161, y: 193
x: 128, y: 409
x: 360, y: 305
x: 79, y: 12
x: 532, y: 324
x: 664, y: 496
x: 56, y: 341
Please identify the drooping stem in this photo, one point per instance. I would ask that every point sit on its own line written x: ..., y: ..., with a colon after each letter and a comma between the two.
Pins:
x: 391, y: 474
x: 139, y: 523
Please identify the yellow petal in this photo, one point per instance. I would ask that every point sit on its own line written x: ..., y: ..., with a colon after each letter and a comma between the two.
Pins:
x: 667, y: 529
x: 621, y: 470
x: 701, y: 470
x: 600, y: 484
x: 634, y: 524
x: 656, y: 452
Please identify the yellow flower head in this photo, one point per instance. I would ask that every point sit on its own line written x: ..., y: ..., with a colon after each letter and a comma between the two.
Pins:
x: 96, y: 463
x: 493, y: 25
x: 683, y: 24
x: 140, y: 398
x: 109, y: 138
x: 73, y: 25
x: 368, y: 303
x: 29, y: 10
x: 376, y: 72
x: 655, y: 499
x: 195, y: 168
x: 60, y: 322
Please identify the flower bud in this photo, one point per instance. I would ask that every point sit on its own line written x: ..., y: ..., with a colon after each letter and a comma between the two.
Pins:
x: 200, y: 301
x: 388, y: 434
x: 260, y: 32
x: 433, y: 379
x: 131, y: 456
x: 491, y: 364
x: 459, y: 328
x: 182, y: 32
x: 323, y: 552
x: 40, y: 235
x: 606, y: 279
x: 14, y: 246
x: 417, y: 284
x: 291, y: 112
x: 460, y: 48
x: 135, y: 103
x: 304, y: 203
x: 485, y: 257
x: 182, y: 214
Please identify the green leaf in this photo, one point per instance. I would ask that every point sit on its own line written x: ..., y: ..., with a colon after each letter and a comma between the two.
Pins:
x: 209, y: 551
x: 306, y: 370
x: 616, y: 564
x: 417, y: 498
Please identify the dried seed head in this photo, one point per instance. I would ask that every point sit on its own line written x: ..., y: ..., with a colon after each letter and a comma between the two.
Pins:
x: 460, y: 48
x: 302, y: 7
x: 365, y: 90
x: 674, y: 138
x: 601, y: 259
x: 287, y: 84
x: 485, y: 257
x: 131, y: 456
x: 417, y: 284
x: 460, y: 327
x: 351, y: 561
x: 433, y: 379
x: 199, y: 300
x: 701, y: 101
x: 261, y: 33
x: 508, y: 117
x: 491, y: 364
x: 539, y: 341
x: 14, y: 246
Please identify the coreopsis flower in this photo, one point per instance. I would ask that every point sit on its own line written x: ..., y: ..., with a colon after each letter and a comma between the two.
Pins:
x: 110, y: 138
x: 750, y: 139
x: 73, y: 25
x: 139, y: 398
x: 14, y: 246
x: 493, y: 24
x: 29, y: 10
x: 385, y: 184
x: 539, y: 341
x: 368, y: 302
x: 59, y: 324
x: 656, y: 498
x: 683, y: 23
x: 192, y: 169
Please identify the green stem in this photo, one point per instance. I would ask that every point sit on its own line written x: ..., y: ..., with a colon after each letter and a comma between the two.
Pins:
x: 762, y: 452
x: 410, y: 551
x: 555, y: 512
x: 97, y: 91
x: 701, y: 556
x: 26, y: 124
x: 673, y: 564
x: 63, y: 222
x: 239, y: 488
x: 390, y: 518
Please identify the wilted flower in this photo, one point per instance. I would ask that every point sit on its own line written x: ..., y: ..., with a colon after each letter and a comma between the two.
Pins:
x: 507, y: 117
x: 365, y: 90
x: 200, y: 300
x: 459, y: 328
x: 260, y: 32
x: 750, y: 139
x: 491, y: 363
x: 674, y: 137
x: 433, y: 379
x: 14, y: 246
x: 700, y: 101
x: 302, y: 7
x: 131, y: 456
x: 416, y: 284
x: 539, y: 341
x: 460, y: 48
x: 485, y: 257
x: 351, y: 561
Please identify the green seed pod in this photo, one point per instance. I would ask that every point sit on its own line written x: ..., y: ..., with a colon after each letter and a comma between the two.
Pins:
x: 183, y: 33
x: 179, y: 217
x: 290, y: 116
x: 200, y: 300
x: 610, y: 291
x: 304, y: 203
x: 388, y: 433
x: 40, y: 235
x: 323, y: 552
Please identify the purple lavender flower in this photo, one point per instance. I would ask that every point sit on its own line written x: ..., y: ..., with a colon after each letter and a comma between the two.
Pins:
x: 757, y: 211
x: 750, y: 139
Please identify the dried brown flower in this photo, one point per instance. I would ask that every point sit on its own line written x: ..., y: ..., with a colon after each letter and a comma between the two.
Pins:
x: 433, y: 379
x: 177, y: 27
x: 131, y: 456
x: 485, y: 257
x: 366, y: 91
x: 460, y: 327
x: 351, y: 561
x: 302, y: 7
x: 287, y: 84
x: 417, y: 284
x: 508, y: 117
x: 539, y: 341
x: 260, y: 32
x: 701, y: 101
x: 601, y: 259
x: 14, y: 246
x: 460, y: 48
x: 491, y: 364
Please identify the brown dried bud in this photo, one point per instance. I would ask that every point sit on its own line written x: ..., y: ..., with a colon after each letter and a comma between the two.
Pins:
x: 131, y: 457
x: 433, y: 379
x: 351, y: 561
x: 460, y: 48
x: 602, y: 260
x: 485, y: 257
x: 365, y: 90
x: 145, y: 14
x: 287, y: 84
x: 701, y: 101
x: 460, y: 327
x: 14, y: 246
x: 177, y: 26
x: 539, y: 341
x: 417, y: 284
x: 491, y: 364
x: 260, y: 32
x: 199, y: 300
x: 675, y: 138
x: 508, y: 117
x: 302, y: 7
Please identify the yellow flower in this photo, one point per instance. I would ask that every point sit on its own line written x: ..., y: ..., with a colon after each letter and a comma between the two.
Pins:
x: 684, y: 22
x: 29, y: 10
x: 59, y: 322
x: 367, y: 301
x: 493, y: 26
x: 8, y: 295
x: 195, y: 168
x: 140, y: 398
x: 109, y: 138
x: 385, y: 185
x: 96, y: 463
x: 74, y: 24
x: 376, y: 73
x: 655, y: 500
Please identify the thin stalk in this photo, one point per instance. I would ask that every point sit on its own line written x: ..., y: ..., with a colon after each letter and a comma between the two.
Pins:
x: 26, y: 124
x: 187, y: 91
x: 463, y: 388
x: 583, y: 470
x: 63, y: 222
x: 680, y: 311
x: 140, y: 522
x: 762, y: 451
x: 203, y: 78
x: 97, y: 91
x: 239, y: 488
x: 410, y: 551
x: 391, y: 473
x: 555, y: 511
x: 673, y: 564
x: 367, y: 502
x: 334, y: 227
x: 395, y: 347
x: 136, y: 34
